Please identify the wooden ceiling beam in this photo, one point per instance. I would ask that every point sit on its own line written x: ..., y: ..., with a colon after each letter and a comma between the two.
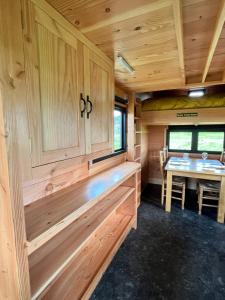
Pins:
x: 168, y: 85
x: 178, y: 22
x: 217, y: 32
x: 158, y: 4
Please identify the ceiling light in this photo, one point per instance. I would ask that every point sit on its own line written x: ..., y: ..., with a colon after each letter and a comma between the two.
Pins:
x: 196, y: 93
x: 123, y: 64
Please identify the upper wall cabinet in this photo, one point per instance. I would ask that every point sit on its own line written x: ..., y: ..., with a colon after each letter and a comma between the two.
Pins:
x: 99, y: 91
x: 55, y: 66
x: 54, y: 72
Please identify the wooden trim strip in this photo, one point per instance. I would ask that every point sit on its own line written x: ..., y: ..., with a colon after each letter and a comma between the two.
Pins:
x: 178, y: 22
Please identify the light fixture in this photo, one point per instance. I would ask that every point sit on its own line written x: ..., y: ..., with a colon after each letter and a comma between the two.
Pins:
x: 196, y: 93
x: 123, y: 64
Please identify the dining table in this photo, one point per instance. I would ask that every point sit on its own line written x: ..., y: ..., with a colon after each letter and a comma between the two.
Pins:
x: 207, y: 169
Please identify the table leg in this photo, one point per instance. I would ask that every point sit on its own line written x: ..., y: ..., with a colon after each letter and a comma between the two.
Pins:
x: 220, y: 214
x: 168, y: 190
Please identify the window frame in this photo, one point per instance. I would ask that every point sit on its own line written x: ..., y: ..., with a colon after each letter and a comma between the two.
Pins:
x: 123, y: 110
x: 195, y: 130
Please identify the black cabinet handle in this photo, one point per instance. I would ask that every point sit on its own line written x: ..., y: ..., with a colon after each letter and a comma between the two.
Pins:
x: 91, y: 106
x: 84, y: 105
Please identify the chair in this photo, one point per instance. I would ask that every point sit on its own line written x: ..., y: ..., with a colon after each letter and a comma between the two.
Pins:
x: 178, y: 183
x: 222, y: 157
x: 209, y: 191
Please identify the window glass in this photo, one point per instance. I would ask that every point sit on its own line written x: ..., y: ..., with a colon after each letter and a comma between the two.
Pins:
x: 210, y: 141
x: 118, y: 129
x: 180, y: 140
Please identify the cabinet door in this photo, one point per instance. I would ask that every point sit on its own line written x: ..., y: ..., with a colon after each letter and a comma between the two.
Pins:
x: 54, y: 67
x: 99, y: 85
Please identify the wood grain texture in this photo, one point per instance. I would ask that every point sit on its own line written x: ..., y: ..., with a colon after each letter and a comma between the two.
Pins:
x: 59, y: 251
x: 59, y: 92
x: 149, y: 35
x: 99, y: 86
x: 80, y: 274
x: 50, y: 178
x: 14, y: 273
x: 53, y: 68
x: 48, y: 216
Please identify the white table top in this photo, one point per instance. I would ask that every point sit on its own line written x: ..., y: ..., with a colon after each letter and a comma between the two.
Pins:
x: 208, y: 166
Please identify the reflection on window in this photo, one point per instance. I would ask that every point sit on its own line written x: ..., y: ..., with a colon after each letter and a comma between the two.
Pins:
x: 210, y: 141
x: 180, y: 140
x: 118, y: 130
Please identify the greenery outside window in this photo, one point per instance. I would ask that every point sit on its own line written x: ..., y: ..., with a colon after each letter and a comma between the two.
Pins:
x: 196, y: 139
x: 119, y: 129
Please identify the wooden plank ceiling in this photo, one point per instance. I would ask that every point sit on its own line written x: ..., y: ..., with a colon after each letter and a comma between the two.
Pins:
x: 169, y: 43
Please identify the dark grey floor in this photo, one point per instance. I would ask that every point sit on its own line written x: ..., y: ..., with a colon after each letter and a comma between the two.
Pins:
x: 170, y: 256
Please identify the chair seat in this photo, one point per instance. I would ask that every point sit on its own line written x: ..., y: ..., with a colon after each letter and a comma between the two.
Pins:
x: 177, y: 180
x: 213, y: 186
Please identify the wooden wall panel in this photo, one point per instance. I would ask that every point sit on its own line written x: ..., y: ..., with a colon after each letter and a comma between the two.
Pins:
x: 169, y: 117
x: 51, y: 178
x: 14, y: 154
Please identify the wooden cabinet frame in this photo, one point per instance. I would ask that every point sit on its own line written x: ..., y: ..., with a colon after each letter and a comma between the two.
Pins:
x: 38, y: 17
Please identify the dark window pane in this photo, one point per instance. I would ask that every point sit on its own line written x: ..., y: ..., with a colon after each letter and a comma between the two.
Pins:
x: 210, y: 141
x: 180, y: 140
x: 118, y: 130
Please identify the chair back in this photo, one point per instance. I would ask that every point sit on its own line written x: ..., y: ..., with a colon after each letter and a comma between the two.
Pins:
x: 222, y: 156
x: 165, y: 151
x: 162, y: 163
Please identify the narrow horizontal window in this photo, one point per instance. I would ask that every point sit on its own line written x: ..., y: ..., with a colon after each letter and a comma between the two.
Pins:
x: 196, y: 139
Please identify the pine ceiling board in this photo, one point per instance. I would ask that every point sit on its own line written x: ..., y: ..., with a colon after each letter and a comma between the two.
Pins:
x: 84, y: 13
x: 139, y: 42
x: 151, y: 72
x: 134, y: 32
x: 199, y: 19
x: 147, y: 37
x: 158, y: 52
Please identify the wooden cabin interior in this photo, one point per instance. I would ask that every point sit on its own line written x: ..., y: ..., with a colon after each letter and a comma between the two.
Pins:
x: 112, y: 149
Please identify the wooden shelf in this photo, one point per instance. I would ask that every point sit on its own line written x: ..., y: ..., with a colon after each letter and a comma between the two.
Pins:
x: 138, y: 132
x: 48, y: 216
x: 137, y: 118
x: 83, y: 272
x: 49, y: 261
